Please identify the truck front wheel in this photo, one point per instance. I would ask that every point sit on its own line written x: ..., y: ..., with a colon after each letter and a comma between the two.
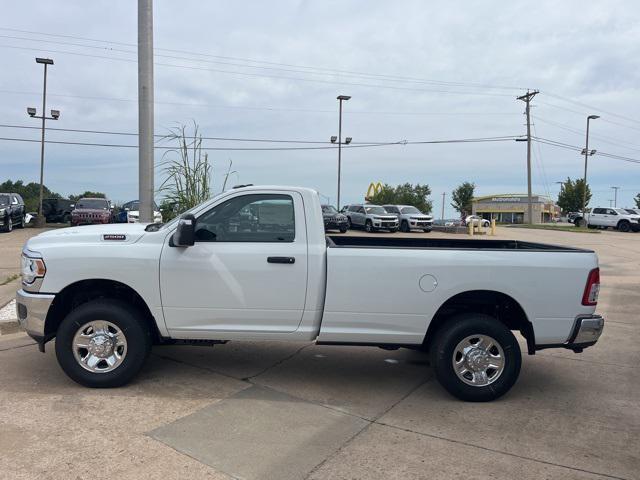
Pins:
x: 476, y: 358
x: 103, y: 343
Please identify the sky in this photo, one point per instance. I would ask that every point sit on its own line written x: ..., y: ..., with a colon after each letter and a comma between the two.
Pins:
x: 416, y: 71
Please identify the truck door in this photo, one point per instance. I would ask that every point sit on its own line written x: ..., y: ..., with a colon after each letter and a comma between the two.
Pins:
x: 598, y: 217
x: 246, y: 272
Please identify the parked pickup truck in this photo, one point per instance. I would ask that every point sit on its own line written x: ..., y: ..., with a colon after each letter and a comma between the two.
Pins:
x: 618, y: 218
x: 108, y: 292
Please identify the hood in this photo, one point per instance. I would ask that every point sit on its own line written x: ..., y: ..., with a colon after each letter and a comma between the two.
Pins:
x: 112, y: 233
x: 388, y: 216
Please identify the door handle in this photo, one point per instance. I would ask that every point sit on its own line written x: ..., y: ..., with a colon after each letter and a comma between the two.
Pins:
x: 287, y: 260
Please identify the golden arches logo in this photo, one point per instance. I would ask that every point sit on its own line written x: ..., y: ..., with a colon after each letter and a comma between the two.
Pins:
x: 374, y: 188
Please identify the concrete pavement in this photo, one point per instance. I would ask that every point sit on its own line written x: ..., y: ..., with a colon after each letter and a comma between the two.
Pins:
x: 279, y: 410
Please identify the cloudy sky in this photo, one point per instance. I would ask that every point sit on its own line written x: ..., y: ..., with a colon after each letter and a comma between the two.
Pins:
x: 416, y: 71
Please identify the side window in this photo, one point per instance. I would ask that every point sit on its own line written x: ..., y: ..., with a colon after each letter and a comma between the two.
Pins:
x: 249, y: 218
x: 353, y: 208
x: 611, y: 212
x: 598, y: 210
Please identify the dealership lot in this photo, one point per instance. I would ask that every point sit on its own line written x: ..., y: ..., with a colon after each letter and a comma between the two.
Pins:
x: 277, y: 410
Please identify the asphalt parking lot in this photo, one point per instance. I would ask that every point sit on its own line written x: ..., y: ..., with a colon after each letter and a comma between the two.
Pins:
x: 279, y: 411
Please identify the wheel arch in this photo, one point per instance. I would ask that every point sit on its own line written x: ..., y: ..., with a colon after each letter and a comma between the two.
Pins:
x: 83, y: 291
x: 499, y: 305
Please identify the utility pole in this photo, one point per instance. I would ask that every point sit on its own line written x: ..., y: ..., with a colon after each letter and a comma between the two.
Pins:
x: 615, y: 196
x: 340, y: 98
x: 587, y: 153
x: 145, y: 110
x: 443, y: 195
x: 527, y: 99
x: 55, y: 114
x: 610, y: 203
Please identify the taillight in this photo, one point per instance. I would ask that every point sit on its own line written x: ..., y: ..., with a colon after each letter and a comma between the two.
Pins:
x: 591, y: 290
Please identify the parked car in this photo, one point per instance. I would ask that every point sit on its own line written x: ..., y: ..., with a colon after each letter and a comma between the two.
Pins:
x: 89, y: 211
x: 57, y: 210
x: 334, y: 220
x: 571, y: 216
x: 483, y: 221
x: 617, y: 218
x: 130, y: 213
x: 633, y: 211
x: 372, y: 218
x: 12, y: 211
x: 410, y: 218
x: 108, y: 293
x: 344, y: 209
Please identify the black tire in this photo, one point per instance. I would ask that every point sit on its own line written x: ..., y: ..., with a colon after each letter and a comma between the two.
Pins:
x: 128, y: 319
x: 66, y: 218
x: 393, y: 230
x: 23, y: 221
x: 457, y: 330
x: 592, y: 227
x: 427, y: 230
x: 8, y: 224
x: 404, y: 226
x: 368, y: 226
x: 349, y: 222
x: 624, y: 226
x: 343, y: 230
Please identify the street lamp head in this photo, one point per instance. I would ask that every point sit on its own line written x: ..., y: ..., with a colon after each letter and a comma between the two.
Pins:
x: 46, y: 61
x: 343, y: 97
x: 55, y: 114
x: 334, y: 138
x: 592, y: 152
x: 31, y: 111
x: 593, y: 117
x: 348, y: 140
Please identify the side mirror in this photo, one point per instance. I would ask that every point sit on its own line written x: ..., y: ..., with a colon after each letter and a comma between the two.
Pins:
x: 185, y: 233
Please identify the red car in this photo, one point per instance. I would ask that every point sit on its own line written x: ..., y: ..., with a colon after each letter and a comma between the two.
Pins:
x: 89, y: 211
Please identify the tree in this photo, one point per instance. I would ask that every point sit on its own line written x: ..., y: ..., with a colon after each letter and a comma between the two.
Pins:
x: 570, y: 196
x: 405, y: 194
x: 30, y: 192
x: 637, y: 200
x: 188, y: 171
x: 462, y: 197
x: 87, y: 194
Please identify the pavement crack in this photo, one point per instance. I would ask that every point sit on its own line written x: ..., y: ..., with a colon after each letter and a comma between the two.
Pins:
x: 515, y: 455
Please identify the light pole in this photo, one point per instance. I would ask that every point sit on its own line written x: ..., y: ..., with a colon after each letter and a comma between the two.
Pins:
x: 615, y: 196
x: 55, y: 114
x: 340, y: 99
x: 586, y: 154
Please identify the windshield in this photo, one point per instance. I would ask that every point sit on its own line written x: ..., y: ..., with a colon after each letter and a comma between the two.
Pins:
x: 329, y: 209
x: 632, y: 212
x: 376, y: 210
x: 4, y: 199
x: 135, y: 206
x: 411, y: 210
x: 93, y: 204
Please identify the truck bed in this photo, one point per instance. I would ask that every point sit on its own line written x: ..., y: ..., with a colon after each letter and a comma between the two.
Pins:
x: 341, y: 241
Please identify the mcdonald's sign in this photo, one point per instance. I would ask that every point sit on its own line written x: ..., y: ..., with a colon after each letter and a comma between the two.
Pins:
x: 373, y: 189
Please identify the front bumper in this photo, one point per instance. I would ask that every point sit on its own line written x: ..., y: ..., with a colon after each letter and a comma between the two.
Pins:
x: 32, y: 309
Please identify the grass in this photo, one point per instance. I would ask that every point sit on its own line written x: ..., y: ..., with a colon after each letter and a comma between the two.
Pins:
x: 557, y: 228
x: 10, y: 279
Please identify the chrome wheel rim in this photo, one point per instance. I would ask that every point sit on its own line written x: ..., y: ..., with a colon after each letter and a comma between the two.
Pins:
x: 99, y: 346
x: 478, y: 360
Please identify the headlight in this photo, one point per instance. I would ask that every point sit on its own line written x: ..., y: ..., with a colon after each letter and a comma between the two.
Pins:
x: 32, y: 268
x: 2, y: 211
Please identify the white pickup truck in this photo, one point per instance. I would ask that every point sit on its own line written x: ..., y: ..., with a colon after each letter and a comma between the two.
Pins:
x: 254, y: 264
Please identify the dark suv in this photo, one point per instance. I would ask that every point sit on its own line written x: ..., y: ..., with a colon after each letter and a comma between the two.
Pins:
x: 334, y: 220
x: 57, y: 210
x: 12, y: 211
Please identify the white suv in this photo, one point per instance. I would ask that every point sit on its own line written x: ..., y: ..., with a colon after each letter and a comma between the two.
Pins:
x: 618, y: 218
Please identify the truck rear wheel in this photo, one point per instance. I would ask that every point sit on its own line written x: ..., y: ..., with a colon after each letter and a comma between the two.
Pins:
x: 103, y: 343
x: 476, y: 358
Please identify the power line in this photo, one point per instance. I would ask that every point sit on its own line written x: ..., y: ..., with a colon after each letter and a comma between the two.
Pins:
x: 322, y: 69
x: 328, y: 147
x: 240, y: 107
x: 591, y: 107
x: 575, y: 148
x: 263, y: 75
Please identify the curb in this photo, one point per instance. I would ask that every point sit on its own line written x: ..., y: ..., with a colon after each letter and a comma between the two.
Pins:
x: 11, y: 326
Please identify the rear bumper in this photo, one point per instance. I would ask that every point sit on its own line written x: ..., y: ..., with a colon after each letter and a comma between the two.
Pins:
x: 585, y: 333
x: 32, y: 309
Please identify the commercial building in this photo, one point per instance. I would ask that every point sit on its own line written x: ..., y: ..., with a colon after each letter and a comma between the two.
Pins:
x: 512, y: 208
